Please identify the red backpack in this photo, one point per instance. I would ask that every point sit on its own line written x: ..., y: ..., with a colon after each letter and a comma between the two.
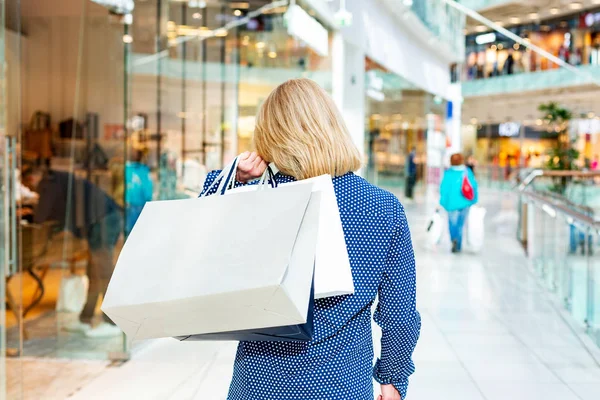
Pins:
x: 467, y: 188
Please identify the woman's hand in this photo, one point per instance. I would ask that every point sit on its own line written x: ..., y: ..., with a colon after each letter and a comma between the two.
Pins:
x: 389, y: 392
x: 250, y: 167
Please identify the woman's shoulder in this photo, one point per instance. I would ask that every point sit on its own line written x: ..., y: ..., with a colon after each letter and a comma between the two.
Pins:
x: 354, y: 193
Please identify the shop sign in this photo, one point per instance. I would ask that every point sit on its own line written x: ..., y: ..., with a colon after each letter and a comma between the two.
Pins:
x: 509, y: 129
x: 306, y: 28
x: 118, y: 6
x: 485, y: 38
x: 591, y: 19
x: 591, y: 126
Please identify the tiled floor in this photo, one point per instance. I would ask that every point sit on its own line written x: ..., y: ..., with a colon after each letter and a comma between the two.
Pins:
x: 490, y: 331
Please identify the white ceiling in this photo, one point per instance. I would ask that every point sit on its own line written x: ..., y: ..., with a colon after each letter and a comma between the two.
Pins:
x: 545, y: 9
x: 523, y: 106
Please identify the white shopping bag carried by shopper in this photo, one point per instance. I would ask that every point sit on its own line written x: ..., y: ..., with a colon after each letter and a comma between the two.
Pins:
x: 72, y: 294
x: 434, y: 228
x: 475, y: 228
x: 217, y: 264
x: 333, y: 276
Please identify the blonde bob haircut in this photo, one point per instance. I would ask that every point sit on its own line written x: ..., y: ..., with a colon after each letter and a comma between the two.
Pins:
x: 300, y: 129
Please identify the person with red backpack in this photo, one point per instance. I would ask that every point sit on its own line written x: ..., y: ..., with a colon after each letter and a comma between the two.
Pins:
x: 458, y: 192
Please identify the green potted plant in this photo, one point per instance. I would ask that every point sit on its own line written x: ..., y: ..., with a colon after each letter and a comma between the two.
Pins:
x: 562, y: 156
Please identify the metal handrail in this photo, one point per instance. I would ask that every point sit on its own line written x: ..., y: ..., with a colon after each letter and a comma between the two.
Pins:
x: 579, y: 213
x: 536, y: 173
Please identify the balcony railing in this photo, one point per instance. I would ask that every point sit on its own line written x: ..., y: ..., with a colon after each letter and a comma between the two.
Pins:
x: 529, y: 81
x: 478, y: 5
x: 445, y: 22
x: 559, y: 225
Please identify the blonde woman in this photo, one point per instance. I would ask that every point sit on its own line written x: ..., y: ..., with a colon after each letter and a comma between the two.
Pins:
x: 300, y: 129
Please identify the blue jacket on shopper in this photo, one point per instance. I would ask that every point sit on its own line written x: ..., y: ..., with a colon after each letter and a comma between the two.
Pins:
x: 451, y: 197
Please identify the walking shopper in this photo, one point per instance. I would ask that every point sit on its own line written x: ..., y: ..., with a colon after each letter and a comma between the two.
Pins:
x: 411, y: 174
x: 458, y: 193
x: 300, y: 130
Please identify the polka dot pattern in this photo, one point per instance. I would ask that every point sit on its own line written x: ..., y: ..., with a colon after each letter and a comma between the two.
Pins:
x: 338, y: 363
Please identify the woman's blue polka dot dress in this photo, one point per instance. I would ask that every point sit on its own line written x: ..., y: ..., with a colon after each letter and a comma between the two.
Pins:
x: 338, y: 363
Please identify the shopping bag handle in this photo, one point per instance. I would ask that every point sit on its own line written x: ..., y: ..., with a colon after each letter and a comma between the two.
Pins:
x: 226, y: 179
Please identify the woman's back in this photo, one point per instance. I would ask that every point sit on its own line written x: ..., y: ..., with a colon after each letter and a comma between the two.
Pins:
x: 338, y: 362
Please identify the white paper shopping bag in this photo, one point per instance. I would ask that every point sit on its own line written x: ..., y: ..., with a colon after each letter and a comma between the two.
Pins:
x: 217, y: 264
x: 333, y: 275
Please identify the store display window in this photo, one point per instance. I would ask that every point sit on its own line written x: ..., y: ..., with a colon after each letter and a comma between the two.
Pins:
x: 106, y: 109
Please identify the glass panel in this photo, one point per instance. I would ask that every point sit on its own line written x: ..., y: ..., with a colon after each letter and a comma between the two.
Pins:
x: 11, y: 318
x: 594, y: 290
x: 401, y: 118
x: 4, y: 232
x: 67, y: 94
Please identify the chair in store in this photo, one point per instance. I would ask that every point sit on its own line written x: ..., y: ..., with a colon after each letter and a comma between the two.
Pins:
x: 35, y: 242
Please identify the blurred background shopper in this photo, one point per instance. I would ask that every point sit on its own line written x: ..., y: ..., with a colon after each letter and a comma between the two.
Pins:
x: 300, y: 130
x: 458, y: 193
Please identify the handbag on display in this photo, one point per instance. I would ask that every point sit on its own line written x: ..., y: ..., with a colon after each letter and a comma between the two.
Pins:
x: 73, y: 293
x: 467, y: 188
x: 38, y: 136
x: 220, y: 267
x: 70, y: 129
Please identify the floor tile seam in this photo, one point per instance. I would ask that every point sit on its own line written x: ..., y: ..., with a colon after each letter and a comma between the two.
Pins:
x: 537, y: 357
x: 202, y: 372
x: 460, y: 361
x: 548, y: 297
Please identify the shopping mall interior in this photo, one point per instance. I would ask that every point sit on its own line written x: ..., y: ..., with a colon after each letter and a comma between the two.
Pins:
x: 106, y: 105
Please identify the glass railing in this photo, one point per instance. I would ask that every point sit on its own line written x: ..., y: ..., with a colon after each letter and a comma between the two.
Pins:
x: 475, y: 83
x: 445, y: 22
x: 559, y: 224
x: 483, y: 4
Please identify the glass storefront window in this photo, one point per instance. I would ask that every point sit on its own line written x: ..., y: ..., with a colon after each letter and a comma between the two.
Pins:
x: 103, y: 110
x: 401, y: 119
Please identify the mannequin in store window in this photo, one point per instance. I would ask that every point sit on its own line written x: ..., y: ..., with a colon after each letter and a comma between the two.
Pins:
x: 139, y: 188
x: 89, y: 213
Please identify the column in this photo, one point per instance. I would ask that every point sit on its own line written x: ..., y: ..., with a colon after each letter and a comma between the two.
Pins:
x: 348, y: 87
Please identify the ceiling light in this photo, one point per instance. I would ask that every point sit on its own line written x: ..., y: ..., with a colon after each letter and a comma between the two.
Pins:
x: 554, y: 10
x: 481, y: 28
x: 272, y: 54
x: 514, y: 20
x: 516, y: 46
x: 595, y: 1
x: 576, y: 5
x: 237, y: 13
x: 534, y: 15
x: 501, y: 23
x: 485, y: 38
x: 197, y: 16
x: 260, y: 45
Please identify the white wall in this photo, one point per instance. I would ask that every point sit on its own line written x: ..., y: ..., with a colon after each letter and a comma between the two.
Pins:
x: 348, y: 87
x: 389, y: 40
